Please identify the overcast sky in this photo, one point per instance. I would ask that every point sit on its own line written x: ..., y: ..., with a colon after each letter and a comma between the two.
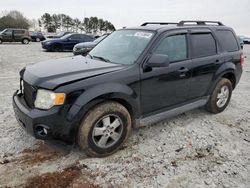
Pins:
x: 234, y: 13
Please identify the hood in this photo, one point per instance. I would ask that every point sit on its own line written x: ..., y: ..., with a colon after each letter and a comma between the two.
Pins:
x: 53, y: 73
x: 85, y: 45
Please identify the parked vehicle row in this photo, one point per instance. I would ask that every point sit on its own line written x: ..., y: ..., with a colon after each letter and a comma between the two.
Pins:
x: 60, y: 42
x: 135, y: 76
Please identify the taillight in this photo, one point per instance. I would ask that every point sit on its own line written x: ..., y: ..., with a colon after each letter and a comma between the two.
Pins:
x: 242, y: 60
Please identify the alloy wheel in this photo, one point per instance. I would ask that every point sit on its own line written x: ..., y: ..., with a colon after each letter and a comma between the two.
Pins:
x: 107, y: 131
x: 222, y: 96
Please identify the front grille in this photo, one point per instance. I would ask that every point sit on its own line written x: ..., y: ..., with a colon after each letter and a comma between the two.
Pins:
x: 29, y: 94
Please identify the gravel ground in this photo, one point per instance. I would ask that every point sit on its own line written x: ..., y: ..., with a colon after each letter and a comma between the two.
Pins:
x: 194, y: 149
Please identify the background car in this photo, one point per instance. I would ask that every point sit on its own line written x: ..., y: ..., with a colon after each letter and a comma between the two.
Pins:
x: 241, y: 41
x: 65, y: 43
x: 15, y: 35
x: 59, y: 35
x: 37, y: 36
x: 85, y: 47
x: 246, y: 40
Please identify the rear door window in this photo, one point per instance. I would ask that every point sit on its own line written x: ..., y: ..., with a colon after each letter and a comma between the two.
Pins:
x: 227, y: 40
x: 174, y: 46
x: 75, y: 37
x: 19, y: 32
x: 202, y: 45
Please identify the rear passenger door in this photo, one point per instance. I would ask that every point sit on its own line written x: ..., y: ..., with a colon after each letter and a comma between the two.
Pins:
x: 205, y: 61
x: 165, y: 87
x: 18, y: 35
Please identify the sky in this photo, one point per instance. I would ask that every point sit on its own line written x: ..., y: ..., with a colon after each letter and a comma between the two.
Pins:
x: 127, y: 13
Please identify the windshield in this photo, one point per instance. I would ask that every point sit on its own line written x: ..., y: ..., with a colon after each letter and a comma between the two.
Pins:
x: 100, y: 38
x: 60, y: 34
x: 66, y: 36
x: 3, y: 31
x: 122, y: 47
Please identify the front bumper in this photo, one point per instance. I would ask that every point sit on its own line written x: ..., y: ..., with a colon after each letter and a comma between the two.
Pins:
x: 46, y: 46
x: 33, y: 119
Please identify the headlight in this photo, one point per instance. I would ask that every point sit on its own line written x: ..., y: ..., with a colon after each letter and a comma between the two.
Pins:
x: 46, y: 99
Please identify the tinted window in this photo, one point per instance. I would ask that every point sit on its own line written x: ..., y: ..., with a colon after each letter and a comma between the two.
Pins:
x: 19, y: 32
x: 75, y: 37
x: 86, y: 38
x: 227, y: 40
x: 8, y: 32
x: 203, y: 44
x: 174, y: 46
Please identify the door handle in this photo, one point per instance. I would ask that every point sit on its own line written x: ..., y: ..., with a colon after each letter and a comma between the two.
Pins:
x: 183, y: 71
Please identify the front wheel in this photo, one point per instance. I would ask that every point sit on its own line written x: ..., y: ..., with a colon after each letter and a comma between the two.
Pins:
x: 104, y: 129
x: 220, y: 97
x: 38, y: 40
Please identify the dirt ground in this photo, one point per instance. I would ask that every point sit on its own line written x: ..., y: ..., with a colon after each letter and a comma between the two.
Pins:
x: 194, y: 149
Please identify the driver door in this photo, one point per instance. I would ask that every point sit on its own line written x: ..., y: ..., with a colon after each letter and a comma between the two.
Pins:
x: 8, y: 36
x: 165, y: 87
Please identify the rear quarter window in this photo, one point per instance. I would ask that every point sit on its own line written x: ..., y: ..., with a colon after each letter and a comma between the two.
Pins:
x: 227, y: 40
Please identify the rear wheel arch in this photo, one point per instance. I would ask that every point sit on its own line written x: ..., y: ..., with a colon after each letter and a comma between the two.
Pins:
x: 230, y: 76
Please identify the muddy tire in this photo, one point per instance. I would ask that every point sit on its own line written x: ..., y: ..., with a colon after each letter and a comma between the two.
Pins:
x: 104, y: 129
x: 220, y: 97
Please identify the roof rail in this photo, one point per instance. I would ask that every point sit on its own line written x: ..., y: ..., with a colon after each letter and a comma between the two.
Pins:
x: 182, y: 23
x: 159, y: 23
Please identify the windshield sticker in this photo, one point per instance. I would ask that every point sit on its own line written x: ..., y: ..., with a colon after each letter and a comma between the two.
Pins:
x: 143, y: 34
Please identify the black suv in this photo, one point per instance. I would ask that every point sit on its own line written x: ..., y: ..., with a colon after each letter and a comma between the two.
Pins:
x: 135, y: 76
x: 15, y: 35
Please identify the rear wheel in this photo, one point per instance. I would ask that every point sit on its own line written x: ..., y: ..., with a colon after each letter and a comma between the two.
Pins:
x: 25, y: 41
x: 104, y: 129
x: 220, y: 97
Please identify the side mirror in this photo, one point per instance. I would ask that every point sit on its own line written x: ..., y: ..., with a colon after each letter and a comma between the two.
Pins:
x: 158, y: 60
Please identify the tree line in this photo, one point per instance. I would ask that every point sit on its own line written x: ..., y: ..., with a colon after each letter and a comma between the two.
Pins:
x: 15, y: 19
x: 57, y: 21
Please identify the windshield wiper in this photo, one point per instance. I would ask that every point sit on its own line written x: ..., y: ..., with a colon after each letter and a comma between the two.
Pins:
x: 101, y: 58
x: 91, y: 57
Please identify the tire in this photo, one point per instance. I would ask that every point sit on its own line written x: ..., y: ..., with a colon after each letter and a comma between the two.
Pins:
x: 220, y: 97
x: 25, y: 41
x: 104, y: 129
x: 1, y: 41
x: 38, y: 40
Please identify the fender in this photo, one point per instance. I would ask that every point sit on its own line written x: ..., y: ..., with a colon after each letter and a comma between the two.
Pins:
x: 225, y: 68
x: 112, y: 90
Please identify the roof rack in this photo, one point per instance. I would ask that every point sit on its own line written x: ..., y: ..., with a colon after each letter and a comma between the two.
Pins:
x: 182, y: 23
x: 159, y: 23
